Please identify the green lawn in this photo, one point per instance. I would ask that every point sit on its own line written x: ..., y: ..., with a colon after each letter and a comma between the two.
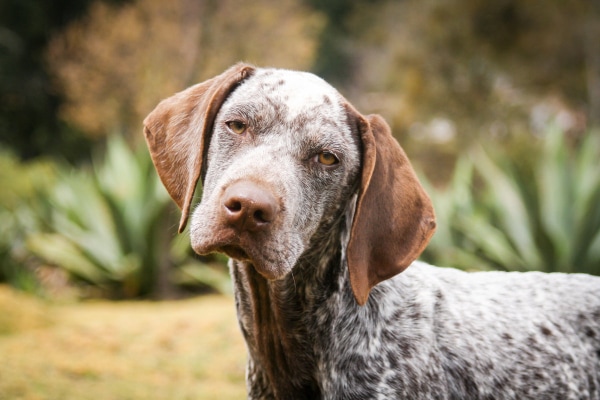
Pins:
x: 189, y: 349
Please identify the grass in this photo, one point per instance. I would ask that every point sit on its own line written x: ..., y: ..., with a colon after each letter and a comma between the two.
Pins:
x: 189, y: 349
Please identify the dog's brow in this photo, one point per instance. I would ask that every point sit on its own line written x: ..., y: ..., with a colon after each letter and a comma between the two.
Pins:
x: 243, y: 110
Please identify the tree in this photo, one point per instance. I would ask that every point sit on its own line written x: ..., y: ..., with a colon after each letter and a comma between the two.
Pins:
x: 479, y: 63
x: 28, y: 104
x: 117, y: 63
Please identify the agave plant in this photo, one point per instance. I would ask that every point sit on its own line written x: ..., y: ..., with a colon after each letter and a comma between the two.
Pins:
x: 453, y: 205
x: 24, y: 185
x: 544, y: 217
x: 113, y: 226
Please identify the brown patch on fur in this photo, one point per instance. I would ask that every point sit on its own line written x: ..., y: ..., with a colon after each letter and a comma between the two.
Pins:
x: 286, y: 360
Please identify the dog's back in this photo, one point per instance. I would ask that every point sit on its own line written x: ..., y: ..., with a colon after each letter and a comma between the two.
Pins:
x: 496, y: 334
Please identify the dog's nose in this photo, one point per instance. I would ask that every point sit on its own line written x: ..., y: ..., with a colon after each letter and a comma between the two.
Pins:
x: 248, y: 207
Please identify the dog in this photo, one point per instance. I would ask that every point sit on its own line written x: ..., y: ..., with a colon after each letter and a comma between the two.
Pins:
x: 320, y: 211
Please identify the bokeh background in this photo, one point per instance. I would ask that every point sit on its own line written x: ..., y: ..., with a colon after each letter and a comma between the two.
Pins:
x: 497, y: 103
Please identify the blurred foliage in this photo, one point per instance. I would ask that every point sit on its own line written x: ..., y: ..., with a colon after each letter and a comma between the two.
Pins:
x: 540, y: 213
x: 336, y: 58
x: 482, y: 66
x: 22, y: 211
x: 29, y: 104
x: 112, y: 227
x: 117, y: 63
x: 475, y: 62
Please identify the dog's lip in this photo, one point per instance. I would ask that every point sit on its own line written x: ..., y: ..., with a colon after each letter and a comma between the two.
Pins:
x: 239, y: 254
x: 229, y: 246
x: 235, y: 252
x: 238, y: 249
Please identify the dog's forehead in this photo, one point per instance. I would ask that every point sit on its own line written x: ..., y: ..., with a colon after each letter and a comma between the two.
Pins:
x: 298, y: 92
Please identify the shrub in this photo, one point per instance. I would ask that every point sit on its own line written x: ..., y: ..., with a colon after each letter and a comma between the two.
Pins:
x: 513, y: 214
x: 22, y: 210
x: 113, y: 226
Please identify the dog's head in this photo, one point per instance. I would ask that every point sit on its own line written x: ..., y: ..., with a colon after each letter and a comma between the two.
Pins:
x: 280, y: 153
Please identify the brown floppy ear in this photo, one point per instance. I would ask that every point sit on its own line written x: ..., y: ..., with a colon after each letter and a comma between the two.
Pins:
x: 394, y: 217
x: 178, y: 132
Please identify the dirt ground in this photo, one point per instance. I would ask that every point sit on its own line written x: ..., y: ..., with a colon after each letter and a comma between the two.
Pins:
x: 188, y: 349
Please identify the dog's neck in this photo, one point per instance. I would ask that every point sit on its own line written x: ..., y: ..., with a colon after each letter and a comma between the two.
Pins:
x: 275, y: 316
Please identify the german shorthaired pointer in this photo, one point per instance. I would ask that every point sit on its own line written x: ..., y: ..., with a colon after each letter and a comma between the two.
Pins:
x: 320, y: 210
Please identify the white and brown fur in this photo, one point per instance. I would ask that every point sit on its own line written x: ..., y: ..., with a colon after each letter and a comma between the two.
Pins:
x: 317, y: 250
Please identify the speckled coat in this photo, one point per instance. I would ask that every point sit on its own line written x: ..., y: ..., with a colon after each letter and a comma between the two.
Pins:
x: 323, y: 217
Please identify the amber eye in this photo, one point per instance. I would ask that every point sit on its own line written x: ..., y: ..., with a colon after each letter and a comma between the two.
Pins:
x: 236, y: 127
x: 327, y: 158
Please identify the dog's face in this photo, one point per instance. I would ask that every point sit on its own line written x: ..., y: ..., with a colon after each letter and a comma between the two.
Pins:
x: 287, y: 139
x: 281, y: 153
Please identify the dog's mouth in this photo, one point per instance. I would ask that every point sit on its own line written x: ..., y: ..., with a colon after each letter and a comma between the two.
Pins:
x: 221, y: 241
x: 271, y: 262
x: 264, y: 267
x: 235, y: 252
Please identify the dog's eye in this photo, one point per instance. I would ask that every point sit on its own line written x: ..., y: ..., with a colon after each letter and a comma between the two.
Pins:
x: 236, y: 127
x: 327, y: 158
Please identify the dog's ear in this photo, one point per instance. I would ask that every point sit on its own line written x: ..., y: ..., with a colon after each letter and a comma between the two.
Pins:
x: 394, y: 217
x: 178, y: 133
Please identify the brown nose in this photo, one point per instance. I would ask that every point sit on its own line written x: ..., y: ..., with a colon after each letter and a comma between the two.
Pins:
x: 248, y: 207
